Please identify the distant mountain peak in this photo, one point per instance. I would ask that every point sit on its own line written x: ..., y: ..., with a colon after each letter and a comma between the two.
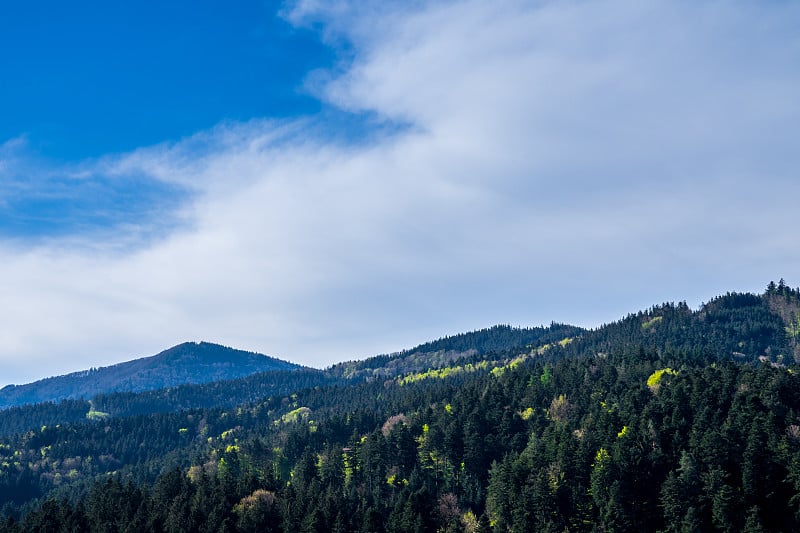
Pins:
x: 188, y: 362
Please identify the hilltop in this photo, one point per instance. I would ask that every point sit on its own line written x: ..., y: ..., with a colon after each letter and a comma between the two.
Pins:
x: 190, y: 362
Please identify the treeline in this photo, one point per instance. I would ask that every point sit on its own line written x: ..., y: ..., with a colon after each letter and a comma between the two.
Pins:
x: 742, y: 327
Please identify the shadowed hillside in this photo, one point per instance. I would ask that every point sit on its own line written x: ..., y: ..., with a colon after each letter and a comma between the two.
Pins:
x: 189, y: 362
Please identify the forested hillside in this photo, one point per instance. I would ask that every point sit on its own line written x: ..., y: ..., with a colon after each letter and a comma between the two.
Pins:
x: 441, y: 352
x: 220, y: 394
x: 190, y: 362
x: 667, y: 420
x: 473, y: 346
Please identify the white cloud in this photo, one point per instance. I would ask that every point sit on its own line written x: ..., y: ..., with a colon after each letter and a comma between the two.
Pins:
x: 564, y: 161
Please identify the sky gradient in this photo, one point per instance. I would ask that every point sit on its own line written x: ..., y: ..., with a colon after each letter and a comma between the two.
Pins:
x: 323, y: 181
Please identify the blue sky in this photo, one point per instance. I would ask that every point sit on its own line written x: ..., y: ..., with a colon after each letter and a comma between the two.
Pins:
x: 95, y: 78
x: 323, y: 181
x: 91, y: 78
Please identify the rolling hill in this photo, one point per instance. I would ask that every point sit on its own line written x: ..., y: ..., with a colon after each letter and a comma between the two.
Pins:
x: 187, y: 363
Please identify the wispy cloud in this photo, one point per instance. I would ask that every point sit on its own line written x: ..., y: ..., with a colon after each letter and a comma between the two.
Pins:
x: 553, y: 160
x: 42, y: 202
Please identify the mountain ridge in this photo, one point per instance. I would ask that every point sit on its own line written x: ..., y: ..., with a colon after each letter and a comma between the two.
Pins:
x: 185, y: 363
x: 445, y: 350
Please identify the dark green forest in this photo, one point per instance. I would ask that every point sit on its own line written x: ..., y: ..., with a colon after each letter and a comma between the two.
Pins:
x: 670, y: 419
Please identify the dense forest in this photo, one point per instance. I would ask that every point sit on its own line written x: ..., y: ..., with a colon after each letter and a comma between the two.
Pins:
x: 670, y: 419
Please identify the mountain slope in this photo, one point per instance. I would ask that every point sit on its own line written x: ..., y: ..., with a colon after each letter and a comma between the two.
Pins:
x: 498, y: 345
x: 189, y: 362
x: 740, y: 326
x: 439, y: 353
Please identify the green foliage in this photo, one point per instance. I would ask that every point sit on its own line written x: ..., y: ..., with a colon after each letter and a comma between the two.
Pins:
x: 96, y: 415
x: 546, y: 376
x: 793, y: 329
x: 301, y: 413
x: 442, y: 373
x: 654, y: 380
x: 652, y: 322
